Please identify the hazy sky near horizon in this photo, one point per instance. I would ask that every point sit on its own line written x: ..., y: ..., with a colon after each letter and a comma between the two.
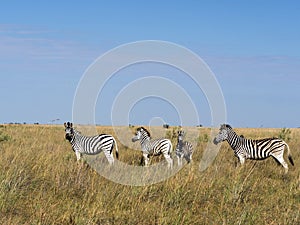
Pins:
x: 252, y: 47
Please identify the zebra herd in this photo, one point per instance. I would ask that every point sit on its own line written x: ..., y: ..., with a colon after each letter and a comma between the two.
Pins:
x: 243, y: 148
x: 150, y: 147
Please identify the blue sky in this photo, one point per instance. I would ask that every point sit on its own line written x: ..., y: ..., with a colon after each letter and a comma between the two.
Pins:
x: 252, y: 47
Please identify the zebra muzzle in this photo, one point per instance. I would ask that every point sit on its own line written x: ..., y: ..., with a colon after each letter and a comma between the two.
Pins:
x: 68, y: 137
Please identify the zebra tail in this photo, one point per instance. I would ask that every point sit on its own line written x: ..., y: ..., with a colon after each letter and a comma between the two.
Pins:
x: 289, y: 154
x: 117, y: 151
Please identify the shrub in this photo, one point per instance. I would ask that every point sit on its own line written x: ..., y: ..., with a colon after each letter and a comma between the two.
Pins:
x: 204, y: 138
x: 4, y: 137
x: 285, y: 134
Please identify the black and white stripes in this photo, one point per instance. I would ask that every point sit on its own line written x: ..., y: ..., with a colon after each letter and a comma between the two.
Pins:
x: 91, y: 145
x: 184, y: 149
x: 254, y: 149
x: 243, y: 148
x: 153, y: 147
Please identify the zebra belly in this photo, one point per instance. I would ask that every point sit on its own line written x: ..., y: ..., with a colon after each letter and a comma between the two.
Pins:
x: 258, y: 158
x: 92, y: 153
x: 252, y: 155
x: 258, y: 155
x: 91, y: 150
x: 152, y: 153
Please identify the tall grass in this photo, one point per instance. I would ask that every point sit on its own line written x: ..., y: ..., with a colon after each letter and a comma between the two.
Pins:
x: 42, y: 183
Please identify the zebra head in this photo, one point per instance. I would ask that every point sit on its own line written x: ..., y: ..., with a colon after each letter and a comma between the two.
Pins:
x: 140, y: 133
x: 69, y: 131
x: 223, y: 134
x: 180, y: 135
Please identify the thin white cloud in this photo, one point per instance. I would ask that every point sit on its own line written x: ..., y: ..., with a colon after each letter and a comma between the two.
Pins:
x: 16, y: 29
x: 255, y: 66
x: 25, y: 49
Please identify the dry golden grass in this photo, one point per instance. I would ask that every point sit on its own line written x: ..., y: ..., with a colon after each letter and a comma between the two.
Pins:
x: 41, y: 183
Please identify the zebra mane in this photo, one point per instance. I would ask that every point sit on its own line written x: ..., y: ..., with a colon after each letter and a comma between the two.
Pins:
x: 224, y: 126
x: 76, y: 131
x: 227, y: 126
x: 143, y: 128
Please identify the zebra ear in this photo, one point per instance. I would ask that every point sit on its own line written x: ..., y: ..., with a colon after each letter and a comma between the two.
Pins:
x: 228, y: 126
x: 65, y: 124
x: 68, y: 124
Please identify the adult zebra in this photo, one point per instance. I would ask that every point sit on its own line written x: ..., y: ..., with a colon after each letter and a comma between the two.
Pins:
x: 153, y: 147
x: 184, y: 149
x: 254, y: 149
x: 91, y: 145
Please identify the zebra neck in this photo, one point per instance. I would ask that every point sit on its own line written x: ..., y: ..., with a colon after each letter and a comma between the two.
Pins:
x: 76, y: 137
x: 146, y: 138
x: 180, y: 143
x: 233, y: 140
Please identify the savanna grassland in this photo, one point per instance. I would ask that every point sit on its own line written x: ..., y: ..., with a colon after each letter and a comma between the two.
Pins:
x: 42, y: 183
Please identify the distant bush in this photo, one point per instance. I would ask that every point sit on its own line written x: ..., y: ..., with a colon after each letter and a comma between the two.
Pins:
x: 172, y: 134
x: 204, y: 138
x: 166, y: 126
x: 4, y: 137
x: 285, y: 134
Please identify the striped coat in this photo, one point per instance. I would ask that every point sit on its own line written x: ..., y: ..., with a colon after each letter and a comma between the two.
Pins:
x: 91, y: 145
x: 254, y: 149
x: 153, y: 147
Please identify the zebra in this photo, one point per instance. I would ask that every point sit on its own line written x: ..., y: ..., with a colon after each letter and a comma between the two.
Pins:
x: 153, y: 147
x: 184, y: 149
x: 254, y: 149
x: 91, y: 145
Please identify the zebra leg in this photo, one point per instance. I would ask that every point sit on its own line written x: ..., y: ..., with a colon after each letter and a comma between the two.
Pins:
x: 242, y: 159
x: 188, y: 157
x: 109, y: 155
x: 280, y: 159
x: 169, y: 160
x: 78, y: 155
x: 191, y: 157
x: 146, y: 159
x: 179, y: 159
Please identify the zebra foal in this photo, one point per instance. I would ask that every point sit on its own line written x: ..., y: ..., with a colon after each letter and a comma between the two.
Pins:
x: 184, y: 149
x: 153, y: 147
x: 91, y: 145
x: 254, y: 149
